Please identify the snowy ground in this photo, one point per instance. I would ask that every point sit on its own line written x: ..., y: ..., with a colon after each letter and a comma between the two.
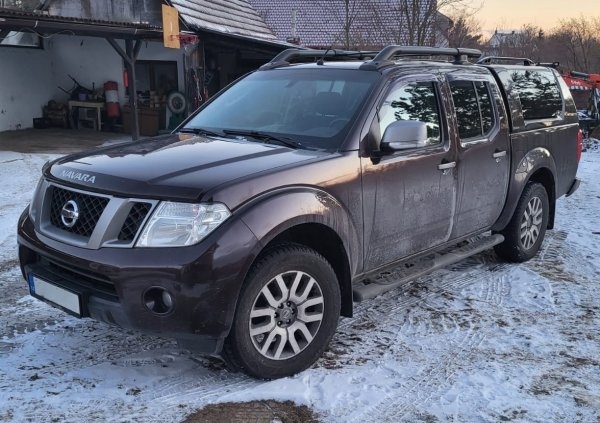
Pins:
x: 483, y: 341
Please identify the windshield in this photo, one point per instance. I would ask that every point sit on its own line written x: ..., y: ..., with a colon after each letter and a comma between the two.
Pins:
x: 313, y: 107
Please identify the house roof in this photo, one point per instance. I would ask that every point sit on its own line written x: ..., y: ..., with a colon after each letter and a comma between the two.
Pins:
x: 320, y: 23
x: 234, y: 17
x: 503, y: 38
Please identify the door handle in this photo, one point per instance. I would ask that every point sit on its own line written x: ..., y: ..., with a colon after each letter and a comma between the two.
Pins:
x: 445, y: 167
x: 498, y: 155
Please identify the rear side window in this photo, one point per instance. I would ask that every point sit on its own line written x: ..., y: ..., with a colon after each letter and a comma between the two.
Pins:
x: 474, y: 110
x: 539, y: 93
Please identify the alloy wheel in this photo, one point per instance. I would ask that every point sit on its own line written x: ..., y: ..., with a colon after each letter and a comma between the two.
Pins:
x: 531, y: 223
x: 286, y: 315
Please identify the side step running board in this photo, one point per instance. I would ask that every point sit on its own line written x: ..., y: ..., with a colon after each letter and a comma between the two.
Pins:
x: 370, y: 288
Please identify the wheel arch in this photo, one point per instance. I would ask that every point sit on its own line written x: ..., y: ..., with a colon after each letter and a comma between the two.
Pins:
x: 545, y: 177
x: 327, y: 243
x: 536, y: 166
x: 313, y: 218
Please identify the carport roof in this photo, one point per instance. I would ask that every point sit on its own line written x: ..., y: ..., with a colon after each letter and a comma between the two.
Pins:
x: 18, y: 20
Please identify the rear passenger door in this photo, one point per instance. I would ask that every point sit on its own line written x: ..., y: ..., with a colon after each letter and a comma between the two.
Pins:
x: 483, y: 161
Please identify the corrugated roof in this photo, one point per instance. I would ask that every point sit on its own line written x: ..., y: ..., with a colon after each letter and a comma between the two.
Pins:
x: 76, y: 20
x: 321, y: 23
x: 235, y: 17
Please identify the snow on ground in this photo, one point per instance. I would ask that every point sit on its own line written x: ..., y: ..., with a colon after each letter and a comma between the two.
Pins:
x: 482, y: 341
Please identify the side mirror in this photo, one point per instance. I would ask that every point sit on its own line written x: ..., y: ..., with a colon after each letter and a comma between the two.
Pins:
x: 404, y: 134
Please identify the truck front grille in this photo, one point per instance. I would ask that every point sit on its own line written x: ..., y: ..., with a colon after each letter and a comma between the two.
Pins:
x: 91, y: 220
x: 90, y: 209
x: 132, y: 224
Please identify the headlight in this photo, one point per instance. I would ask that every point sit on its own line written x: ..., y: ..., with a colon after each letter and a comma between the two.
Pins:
x: 181, y: 224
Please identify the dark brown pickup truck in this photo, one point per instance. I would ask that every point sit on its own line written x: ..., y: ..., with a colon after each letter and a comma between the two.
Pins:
x: 253, y: 227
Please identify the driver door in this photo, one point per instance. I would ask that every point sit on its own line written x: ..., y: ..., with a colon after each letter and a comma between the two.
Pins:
x: 409, y: 196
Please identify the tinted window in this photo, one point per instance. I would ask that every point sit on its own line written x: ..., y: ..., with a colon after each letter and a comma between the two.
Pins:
x: 414, y: 101
x: 467, y: 109
x: 485, y: 106
x: 313, y: 106
x: 474, y: 110
x: 539, y: 93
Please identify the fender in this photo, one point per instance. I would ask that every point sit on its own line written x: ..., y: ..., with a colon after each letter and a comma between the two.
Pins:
x: 534, y: 160
x: 272, y: 213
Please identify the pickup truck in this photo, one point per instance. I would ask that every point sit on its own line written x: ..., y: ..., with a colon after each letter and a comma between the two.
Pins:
x: 248, y: 231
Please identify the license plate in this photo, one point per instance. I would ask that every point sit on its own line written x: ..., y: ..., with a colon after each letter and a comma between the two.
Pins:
x: 61, y: 297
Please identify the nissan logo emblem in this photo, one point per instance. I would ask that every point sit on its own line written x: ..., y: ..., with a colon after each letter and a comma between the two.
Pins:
x: 69, y: 213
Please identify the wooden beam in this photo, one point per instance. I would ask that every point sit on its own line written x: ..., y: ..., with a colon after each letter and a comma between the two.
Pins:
x: 133, y: 100
x: 118, y: 49
x: 136, y: 49
x: 129, y: 55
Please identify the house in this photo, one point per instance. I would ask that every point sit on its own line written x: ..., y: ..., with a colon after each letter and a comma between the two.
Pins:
x: 503, y: 40
x: 45, y: 46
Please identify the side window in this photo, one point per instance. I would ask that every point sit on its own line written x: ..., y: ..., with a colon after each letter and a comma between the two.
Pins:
x: 485, y: 105
x: 539, y: 93
x: 474, y: 110
x: 413, y: 101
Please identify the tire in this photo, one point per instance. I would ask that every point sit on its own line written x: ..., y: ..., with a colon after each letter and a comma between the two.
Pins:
x: 294, y: 297
x: 525, y: 232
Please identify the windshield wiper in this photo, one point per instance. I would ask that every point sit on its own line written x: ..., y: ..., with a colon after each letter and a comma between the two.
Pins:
x: 265, y: 136
x: 200, y: 131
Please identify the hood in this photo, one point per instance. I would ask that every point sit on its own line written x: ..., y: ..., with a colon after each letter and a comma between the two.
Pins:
x: 174, y: 167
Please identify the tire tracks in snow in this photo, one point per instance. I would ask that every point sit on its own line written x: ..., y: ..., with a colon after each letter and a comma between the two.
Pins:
x: 461, y: 331
x: 437, y: 376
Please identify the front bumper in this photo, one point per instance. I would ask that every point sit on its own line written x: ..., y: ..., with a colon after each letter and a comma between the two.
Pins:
x: 204, y: 281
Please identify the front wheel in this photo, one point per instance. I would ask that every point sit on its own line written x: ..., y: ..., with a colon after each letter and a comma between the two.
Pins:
x: 286, y: 315
x: 525, y: 232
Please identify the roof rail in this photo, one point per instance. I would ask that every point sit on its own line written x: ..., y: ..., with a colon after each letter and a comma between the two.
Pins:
x: 385, y: 56
x: 284, y: 58
x: 488, y: 60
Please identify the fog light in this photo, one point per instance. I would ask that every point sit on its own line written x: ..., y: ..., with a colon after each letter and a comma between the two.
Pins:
x: 158, y: 300
x: 167, y: 299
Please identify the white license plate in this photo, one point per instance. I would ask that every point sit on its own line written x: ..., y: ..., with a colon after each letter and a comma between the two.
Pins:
x: 55, y: 294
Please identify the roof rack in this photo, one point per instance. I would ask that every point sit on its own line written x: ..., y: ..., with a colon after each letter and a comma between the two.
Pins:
x: 495, y: 59
x: 284, y: 58
x: 553, y: 65
x: 385, y: 56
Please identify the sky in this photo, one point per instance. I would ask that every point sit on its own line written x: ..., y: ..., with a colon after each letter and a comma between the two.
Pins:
x: 513, y: 14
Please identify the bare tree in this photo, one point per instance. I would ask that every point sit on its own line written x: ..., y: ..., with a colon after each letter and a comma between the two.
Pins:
x: 346, y: 17
x: 415, y: 22
x: 527, y: 42
x: 375, y: 23
x: 464, y: 30
x: 580, y: 38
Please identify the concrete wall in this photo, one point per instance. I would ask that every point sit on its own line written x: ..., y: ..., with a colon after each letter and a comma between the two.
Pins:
x: 25, y: 86
x: 30, y: 77
x: 91, y: 61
